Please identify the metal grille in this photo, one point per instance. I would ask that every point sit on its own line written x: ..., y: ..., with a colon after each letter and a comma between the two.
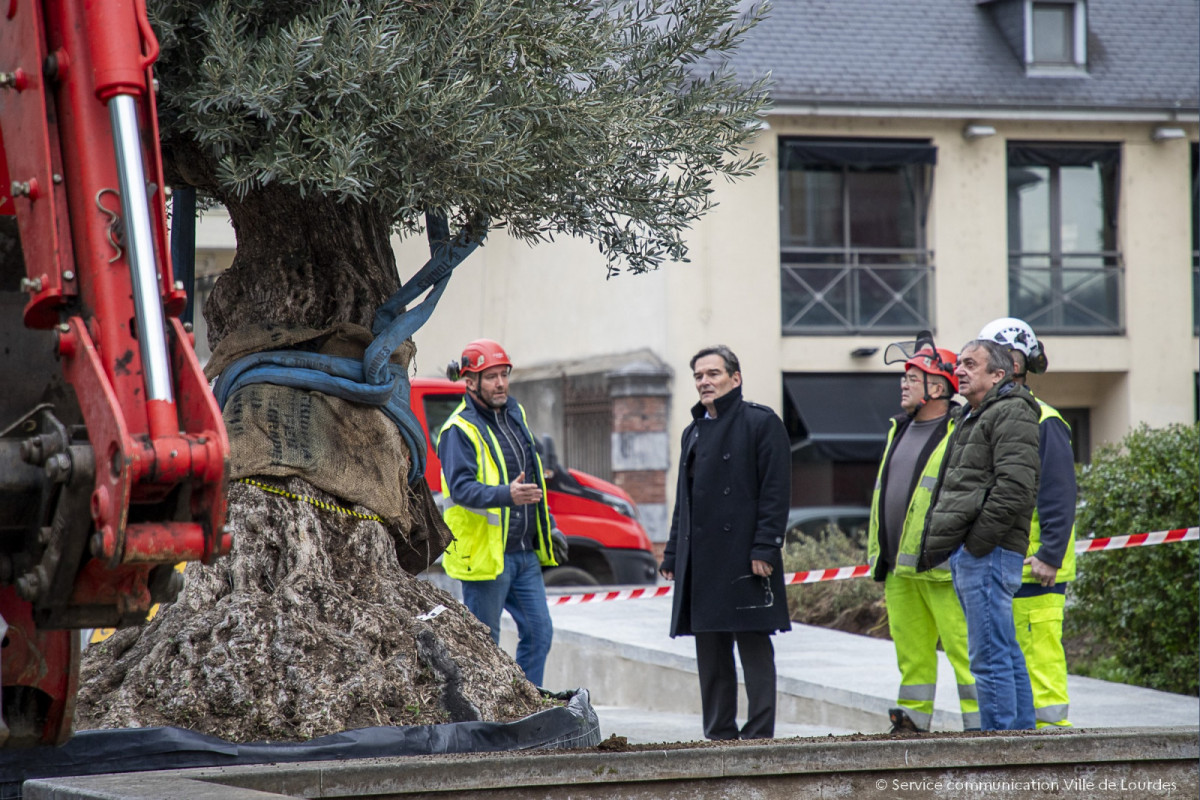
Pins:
x: 1076, y: 293
x: 589, y: 442
x: 587, y: 423
x: 856, y: 290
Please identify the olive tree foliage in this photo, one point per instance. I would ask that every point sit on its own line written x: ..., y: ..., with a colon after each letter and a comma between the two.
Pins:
x: 606, y: 119
x: 1141, y: 606
x: 325, y: 126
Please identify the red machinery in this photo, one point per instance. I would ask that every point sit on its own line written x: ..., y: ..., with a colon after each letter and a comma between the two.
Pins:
x: 112, y: 460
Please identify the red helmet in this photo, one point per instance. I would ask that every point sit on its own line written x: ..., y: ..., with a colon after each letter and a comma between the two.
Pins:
x: 942, y: 365
x: 482, y: 354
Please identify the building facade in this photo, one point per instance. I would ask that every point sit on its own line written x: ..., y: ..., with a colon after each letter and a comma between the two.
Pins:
x: 930, y: 164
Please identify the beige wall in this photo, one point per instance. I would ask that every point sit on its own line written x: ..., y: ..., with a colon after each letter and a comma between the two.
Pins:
x: 553, y: 302
x: 543, y: 304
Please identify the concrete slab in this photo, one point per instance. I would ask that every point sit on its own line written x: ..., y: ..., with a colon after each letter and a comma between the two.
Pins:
x: 829, y: 681
x: 640, y: 726
x: 1144, y: 763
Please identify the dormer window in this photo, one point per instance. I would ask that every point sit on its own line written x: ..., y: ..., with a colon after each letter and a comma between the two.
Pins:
x: 1055, y: 37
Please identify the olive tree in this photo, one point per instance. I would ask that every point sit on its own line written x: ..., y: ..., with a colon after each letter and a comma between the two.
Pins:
x: 324, y: 127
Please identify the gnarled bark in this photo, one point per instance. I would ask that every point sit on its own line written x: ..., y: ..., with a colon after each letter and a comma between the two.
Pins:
x: 306, y: 628
x: 305, y: 261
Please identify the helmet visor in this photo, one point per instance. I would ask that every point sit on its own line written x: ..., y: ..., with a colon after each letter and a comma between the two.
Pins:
x: 900, y: 352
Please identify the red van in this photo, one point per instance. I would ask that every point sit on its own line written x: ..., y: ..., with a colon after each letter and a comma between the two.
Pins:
x: 607, y: 544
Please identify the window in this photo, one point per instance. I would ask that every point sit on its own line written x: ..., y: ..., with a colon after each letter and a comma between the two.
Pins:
x: 852, y: 229
x: 438, y: 408
x: 837, y: 424
x: 1065, y: 272
x: 1195, y: 238
x: 1056, y: 35
x: 1080, y: 422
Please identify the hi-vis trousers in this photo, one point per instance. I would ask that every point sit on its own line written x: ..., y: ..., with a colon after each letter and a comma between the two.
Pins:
x: 919, y: 613
x: 1039, y: 622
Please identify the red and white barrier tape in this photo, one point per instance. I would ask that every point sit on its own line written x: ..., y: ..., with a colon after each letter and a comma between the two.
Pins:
x: 1137, y: 540
x: 818, y: 575
x: 623, y: 594
x: 862, y: 570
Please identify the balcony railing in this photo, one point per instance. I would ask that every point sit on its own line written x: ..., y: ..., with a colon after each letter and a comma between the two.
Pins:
x: 1076, y: 293
x: 856, y: 290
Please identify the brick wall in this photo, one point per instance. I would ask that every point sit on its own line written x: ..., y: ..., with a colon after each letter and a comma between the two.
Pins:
x: 640, y: 444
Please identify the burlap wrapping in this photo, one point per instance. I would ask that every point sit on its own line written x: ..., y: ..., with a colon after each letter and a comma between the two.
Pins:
x: 351, y: 451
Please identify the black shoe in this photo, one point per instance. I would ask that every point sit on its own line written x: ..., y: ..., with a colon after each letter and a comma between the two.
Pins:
x: 901, y: 722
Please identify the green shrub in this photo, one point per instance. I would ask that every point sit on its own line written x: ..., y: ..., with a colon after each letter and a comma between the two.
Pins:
x: 1140, y: 608
x: 854, y: 605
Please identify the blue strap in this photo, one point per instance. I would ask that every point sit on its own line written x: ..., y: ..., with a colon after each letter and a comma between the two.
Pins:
x: 375, y: 380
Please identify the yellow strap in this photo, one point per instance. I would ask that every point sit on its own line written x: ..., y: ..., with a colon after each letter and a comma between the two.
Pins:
x: 303, y: 498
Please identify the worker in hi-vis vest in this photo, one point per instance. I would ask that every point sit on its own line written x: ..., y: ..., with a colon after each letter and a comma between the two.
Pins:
x: 493, y: 477
x: 1050, y: 561
x: 922, y: 607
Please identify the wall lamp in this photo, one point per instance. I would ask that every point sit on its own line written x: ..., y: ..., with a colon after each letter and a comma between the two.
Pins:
x: 864, y: 352
x: 971, y: 132
x: 1162, y: 133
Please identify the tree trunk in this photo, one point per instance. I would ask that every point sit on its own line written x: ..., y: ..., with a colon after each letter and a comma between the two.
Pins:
x: 302, y: 261
x: 309, y: 626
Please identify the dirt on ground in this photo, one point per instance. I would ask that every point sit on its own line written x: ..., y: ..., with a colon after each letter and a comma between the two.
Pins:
x: 619, y: 744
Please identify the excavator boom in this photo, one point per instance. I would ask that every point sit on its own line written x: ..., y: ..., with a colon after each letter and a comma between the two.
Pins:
x: 113, y: 456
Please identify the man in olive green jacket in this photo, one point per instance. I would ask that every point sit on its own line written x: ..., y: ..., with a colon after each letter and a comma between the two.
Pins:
x: 980, y: 519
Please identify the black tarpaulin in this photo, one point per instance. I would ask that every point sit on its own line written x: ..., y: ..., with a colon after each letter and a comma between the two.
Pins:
x: 143, y: 749
x: 844, y: 417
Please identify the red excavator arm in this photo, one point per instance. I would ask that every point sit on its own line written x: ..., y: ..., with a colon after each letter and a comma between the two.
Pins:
x: 113, y: 457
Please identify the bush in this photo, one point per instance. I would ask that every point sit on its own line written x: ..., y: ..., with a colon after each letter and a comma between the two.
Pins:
x: 1139, y: 607
x: 854, y: 605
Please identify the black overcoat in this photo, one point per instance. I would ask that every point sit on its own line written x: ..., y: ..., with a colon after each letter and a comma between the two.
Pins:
x: 733, y: 510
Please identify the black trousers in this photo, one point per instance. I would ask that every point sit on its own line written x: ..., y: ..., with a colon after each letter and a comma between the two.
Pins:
x: 719, y: 684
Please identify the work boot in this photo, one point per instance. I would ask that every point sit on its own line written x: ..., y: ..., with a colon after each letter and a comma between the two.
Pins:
x: 901, y: 722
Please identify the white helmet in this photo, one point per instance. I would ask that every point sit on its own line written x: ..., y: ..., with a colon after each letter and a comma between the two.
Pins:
x: 1016, y: 334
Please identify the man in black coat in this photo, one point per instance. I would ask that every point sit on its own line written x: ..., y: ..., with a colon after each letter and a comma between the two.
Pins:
x: 724, y: 552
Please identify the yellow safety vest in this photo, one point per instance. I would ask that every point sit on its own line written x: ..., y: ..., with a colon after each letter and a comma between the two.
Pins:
x: 480, y: 534
x: 1067, y: 571
x: 914, y: 518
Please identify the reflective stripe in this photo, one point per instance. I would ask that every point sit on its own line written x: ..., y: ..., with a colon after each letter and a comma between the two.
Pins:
x: 972, y: 721
x: 967, y: 691
x: 492, y: 517
x: 917, y: 691
x: 1056, y: 715
x: 906, y: 559
x: 928, y: 482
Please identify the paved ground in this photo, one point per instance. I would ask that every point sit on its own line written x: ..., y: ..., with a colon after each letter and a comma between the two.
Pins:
x: 644, y: 687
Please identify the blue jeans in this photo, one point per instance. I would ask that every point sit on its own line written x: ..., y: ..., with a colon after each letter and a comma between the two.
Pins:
x: 520, y: 591
x: 985, y: 587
